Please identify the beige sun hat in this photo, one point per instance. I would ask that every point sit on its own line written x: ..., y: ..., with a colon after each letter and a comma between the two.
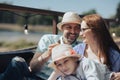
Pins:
x: 62, y: 51
x: 69, y: 17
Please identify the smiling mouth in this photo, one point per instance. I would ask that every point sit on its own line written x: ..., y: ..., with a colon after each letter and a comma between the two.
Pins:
x: 66, y: 71
x: 72, y: 35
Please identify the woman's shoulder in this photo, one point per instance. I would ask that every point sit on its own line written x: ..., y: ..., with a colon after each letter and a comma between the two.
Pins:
x: 114, y: 57
x: 80, y: 45
x: 80, y: 48
x: 114, y: 53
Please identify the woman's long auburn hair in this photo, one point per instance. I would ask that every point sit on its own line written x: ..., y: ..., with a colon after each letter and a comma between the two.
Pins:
x: 102, y: 35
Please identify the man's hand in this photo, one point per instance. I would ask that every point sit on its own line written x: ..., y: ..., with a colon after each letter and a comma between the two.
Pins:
x: 39, y: 59
x: 47, y: 54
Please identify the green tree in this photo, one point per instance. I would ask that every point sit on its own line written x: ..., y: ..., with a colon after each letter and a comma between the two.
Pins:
x: 40, y: 19
x: 6, y: 17
x: 118, y: 14
x: 92, y: 11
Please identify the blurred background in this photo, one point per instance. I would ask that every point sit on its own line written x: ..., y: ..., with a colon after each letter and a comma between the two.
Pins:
x: 13, y: 24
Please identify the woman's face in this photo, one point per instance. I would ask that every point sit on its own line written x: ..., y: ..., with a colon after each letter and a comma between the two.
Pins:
x: 67, y: 65
x: 86, y: 33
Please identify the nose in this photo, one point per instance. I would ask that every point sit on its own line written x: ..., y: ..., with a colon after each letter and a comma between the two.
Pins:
x: 73, y: 30
x: 63, y: 67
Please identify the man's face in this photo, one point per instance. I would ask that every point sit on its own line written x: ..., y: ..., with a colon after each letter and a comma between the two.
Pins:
x: 70, y: 32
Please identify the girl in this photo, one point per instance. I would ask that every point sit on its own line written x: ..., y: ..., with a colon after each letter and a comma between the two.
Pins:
x: 73, y: 67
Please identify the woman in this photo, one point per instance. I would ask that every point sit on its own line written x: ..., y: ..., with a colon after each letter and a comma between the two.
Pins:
x: 99, y: 43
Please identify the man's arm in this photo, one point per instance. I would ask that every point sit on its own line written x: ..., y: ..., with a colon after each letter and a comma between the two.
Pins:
x: 39, y: 59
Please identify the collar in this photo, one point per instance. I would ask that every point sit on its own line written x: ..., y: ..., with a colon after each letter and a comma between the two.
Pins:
x: 73, y: 44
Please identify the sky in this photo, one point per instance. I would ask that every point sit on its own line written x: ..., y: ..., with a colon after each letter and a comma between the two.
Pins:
x: 106, y: 8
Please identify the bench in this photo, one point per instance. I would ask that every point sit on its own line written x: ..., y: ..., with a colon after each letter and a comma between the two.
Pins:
x: 6, y: 57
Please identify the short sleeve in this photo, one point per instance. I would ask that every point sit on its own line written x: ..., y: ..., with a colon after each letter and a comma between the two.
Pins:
x: 45, y: 41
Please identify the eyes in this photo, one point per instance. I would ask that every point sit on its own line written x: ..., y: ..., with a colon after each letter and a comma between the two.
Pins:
x: 68, y: 27
x: 60, y: 63
x: 75, y: 27
x: 84, y: 29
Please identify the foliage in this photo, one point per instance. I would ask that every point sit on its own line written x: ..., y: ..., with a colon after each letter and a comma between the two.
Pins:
x: 24, y: 18
x: 20, y: 19
x: 20, y: 44
x: 117, y: 16
x: 115, y: 30
x: 40, y: 19
x: 6, y: 17
x: 92, y: 11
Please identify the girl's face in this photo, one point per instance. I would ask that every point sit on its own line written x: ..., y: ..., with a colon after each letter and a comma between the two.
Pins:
x: 86, y: 33
x: 67, y: 65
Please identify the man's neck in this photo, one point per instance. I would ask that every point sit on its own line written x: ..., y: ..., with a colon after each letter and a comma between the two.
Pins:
x: 63, y: 41
x: 66, y: 41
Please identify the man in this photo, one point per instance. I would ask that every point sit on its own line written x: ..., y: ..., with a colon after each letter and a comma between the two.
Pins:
x: 70, y: 26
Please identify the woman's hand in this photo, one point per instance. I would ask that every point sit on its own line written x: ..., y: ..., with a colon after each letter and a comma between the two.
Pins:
x: 116, y: 76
